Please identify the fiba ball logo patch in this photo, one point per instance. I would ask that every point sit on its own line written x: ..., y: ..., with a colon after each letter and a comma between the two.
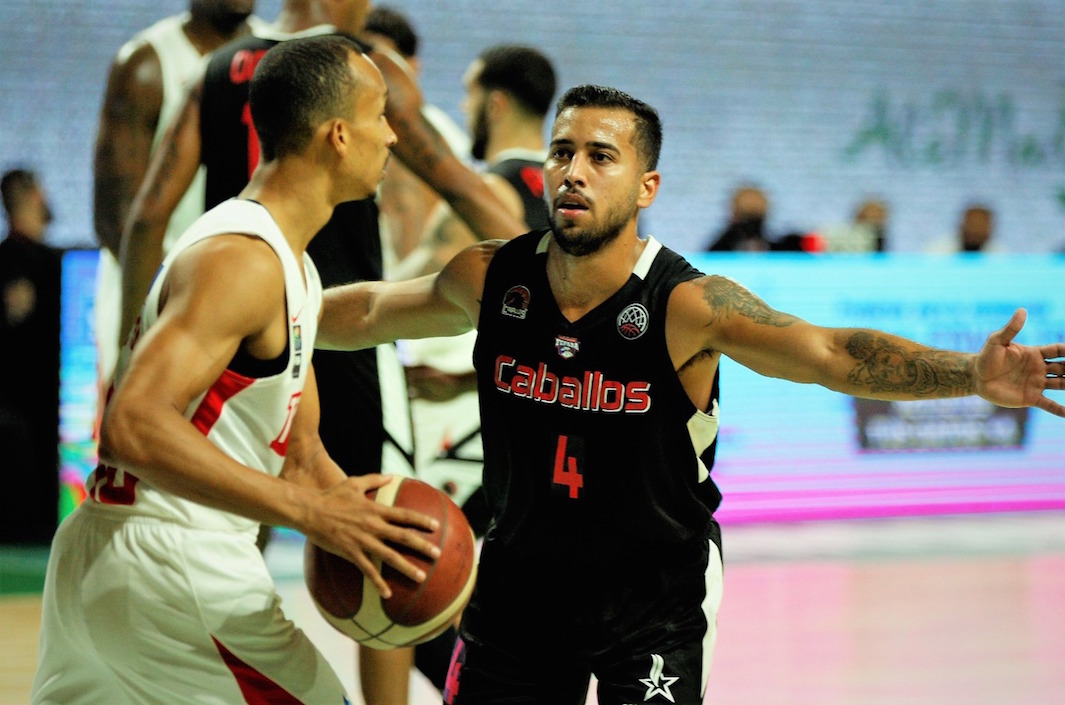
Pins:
x: 632, y: 322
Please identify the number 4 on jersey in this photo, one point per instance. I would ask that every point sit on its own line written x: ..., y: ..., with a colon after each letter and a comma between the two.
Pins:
x: 567, y: 472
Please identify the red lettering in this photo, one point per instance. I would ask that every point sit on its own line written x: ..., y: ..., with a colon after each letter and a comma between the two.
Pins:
x: 638, y: 397
x: 523, y: 382
x: 502, y: 362
x: 243, y: 65
x: 611, y: 395
x: 548, y: 380
x: 113, y: 486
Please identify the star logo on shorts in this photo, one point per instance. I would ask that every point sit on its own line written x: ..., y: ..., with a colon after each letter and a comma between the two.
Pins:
x: 658, y: 684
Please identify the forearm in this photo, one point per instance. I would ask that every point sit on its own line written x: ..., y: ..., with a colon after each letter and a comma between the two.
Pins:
x: 164, y: 450
x: 367, y: 314
x: 142, y: 253
x: 879, y: 365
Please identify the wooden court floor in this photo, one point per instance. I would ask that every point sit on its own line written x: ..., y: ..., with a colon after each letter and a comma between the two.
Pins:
x: 943, y: 611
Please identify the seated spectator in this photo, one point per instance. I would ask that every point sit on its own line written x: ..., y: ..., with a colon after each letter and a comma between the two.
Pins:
x: 975, y: 233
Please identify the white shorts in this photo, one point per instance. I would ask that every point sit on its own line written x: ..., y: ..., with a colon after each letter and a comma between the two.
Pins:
x: 143, y: 611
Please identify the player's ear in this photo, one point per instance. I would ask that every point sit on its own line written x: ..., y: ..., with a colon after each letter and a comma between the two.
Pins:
x: 337, y: 135
x: 495, y: 103
x: 649, y: 183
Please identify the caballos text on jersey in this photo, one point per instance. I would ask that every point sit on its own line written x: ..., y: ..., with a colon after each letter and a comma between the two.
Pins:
x: 592, y: 392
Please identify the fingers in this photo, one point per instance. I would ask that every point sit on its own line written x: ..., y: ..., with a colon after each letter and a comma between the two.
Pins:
x: 398, y: 561
x: 1006, y: 335
x: 364, y: 564
x: 1051, y: 406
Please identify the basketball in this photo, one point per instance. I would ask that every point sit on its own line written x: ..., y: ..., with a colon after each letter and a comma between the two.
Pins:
x: 416, y: 612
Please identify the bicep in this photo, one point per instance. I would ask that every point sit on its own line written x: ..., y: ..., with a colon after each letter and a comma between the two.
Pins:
x: 718, y: 314
x: 174, y: 163
x: 126, y: 132
x: 218, y: 294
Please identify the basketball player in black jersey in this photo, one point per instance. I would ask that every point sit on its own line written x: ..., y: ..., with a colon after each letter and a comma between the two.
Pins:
x: 597, y: 358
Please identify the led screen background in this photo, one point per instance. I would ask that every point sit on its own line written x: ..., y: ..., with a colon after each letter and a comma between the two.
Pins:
x: 791, y: 452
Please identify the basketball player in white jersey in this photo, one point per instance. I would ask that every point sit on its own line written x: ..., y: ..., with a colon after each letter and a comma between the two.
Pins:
x: 156, y: 592
x: 145, y: 86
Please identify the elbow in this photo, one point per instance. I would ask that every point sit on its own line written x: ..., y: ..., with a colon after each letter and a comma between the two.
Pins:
x: 124, y: 435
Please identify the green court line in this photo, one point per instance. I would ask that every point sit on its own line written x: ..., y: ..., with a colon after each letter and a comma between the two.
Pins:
x: 22, y: 569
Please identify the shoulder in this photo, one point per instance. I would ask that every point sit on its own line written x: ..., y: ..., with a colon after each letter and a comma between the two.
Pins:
x: 239, y: 273
x: 136, y: 72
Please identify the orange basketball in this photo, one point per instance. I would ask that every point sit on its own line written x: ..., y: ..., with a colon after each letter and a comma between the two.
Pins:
x: 416, y: 612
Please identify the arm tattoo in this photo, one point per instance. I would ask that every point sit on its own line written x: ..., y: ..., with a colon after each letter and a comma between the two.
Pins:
x: 726, y: 298
x: 886, y: 366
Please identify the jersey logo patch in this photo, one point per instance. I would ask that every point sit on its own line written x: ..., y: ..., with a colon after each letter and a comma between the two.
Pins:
x: 516, y: 302
x: 657, y: 682
x: 566, y: 347
x: 297, y: 336
x: 632, y: 322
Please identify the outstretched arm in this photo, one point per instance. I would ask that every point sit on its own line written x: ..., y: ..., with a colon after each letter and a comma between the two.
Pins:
x: 128, y: 118
x: 370, y: 313
x: 424, y: 151
x: 172, y: 169
x: 717, y: 314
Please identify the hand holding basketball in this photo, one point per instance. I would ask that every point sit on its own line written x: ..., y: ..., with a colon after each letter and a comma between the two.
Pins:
x: 348, y: 598
x: 375, y: 533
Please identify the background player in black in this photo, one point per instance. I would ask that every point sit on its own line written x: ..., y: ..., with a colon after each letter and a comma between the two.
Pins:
x: 509, y: 89
x: 29, y: 357
x: 601, y: 556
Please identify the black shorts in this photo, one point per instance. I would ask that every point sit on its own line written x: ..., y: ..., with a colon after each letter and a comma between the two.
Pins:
x: 534, y: 634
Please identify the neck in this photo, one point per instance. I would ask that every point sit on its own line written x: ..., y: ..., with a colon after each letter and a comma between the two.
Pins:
x: 293, y: 193
x: 298, y: 16
x: 582, y: 282
x: 206, y: 36
x: 514, y: 135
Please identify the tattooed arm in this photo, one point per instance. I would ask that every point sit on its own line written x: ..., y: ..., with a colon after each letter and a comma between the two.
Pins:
x: 446, y: 234
x: 424, y: 151
x: 172, y: 169
x: 716, y: 315
x: 128, y: 118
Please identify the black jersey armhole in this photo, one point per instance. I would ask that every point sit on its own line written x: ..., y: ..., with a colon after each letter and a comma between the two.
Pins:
x: 244, y: 364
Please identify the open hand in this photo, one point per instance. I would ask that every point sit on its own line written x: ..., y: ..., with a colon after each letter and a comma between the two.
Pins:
x: 1012, y: 375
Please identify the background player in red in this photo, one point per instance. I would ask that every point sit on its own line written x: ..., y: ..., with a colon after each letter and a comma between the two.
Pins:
x: 597, y: 357
x: 156, y: 591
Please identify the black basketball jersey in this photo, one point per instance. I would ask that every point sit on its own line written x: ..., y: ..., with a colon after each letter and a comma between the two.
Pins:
x: 588, y: 452
x: 527, y: 177
x: 347, y: 249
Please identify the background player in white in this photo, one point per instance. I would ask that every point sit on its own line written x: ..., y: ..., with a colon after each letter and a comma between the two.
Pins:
x: 156, y: 591
x: 558, y: 510
x: 145, y: 86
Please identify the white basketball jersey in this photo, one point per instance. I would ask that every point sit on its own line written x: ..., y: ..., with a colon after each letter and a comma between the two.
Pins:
x: 249, y: 419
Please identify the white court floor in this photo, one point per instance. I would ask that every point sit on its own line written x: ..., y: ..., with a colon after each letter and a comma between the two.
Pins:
x: 930, y: 611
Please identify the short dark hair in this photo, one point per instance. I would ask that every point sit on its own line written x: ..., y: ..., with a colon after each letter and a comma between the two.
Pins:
x: 648, y: 137
x: 391, y: 23
x: 14, y: 187
x: 299, y: 84
x: 521, y: 71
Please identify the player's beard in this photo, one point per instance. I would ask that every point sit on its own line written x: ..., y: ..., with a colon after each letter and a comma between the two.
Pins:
x: 580, y: 242
x: 479, y: 134
x: 227, y: 21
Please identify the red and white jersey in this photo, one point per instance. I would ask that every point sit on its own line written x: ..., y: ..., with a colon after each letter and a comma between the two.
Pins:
x: 248, y: 418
